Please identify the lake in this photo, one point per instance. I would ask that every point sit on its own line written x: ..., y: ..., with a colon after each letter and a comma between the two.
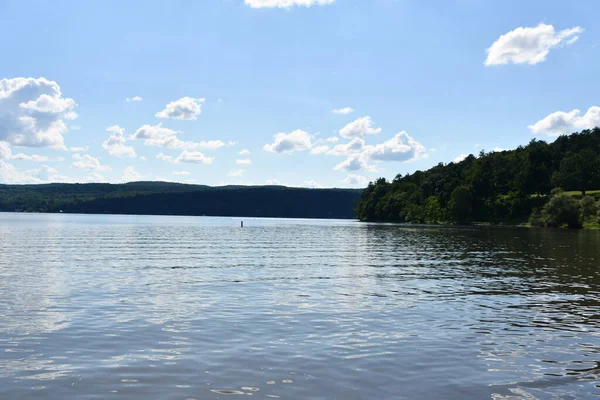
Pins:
x: 147, y: 307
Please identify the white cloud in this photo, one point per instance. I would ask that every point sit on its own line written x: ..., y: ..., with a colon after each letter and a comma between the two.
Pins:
x: 94, y: 177
x: 33, y: 112
x: 273, y: 182
x: 562, y: 123
x: 10, y: 175
x: 181, y: 173
x: 75, y: 127
x: 499, y: 149
x: 286, y: 3
x: 433, y: 149
x: 79, y: 149
x: 244, y: 152
x: 33, y: 157
x: 236, y: 173
x: 356, y: 162
x: 353, y: 179
x: 359, y: 128
x: 231, y: 143
x: 134, y: 98
x: 48, y: 174
x: 45, y: 174
x: 312, y: 185
x: 460, y: 158
x: 320, y: 150
x: 401, y: 147
x: 130, y: 175
x: 88, y: 162
x: 343, y: 111
x: 142, y: 158
x: 187, y: 157
x: 115, y: 144
x: 5, y: 151
x: 246, y: 161
x: 186, y: 108
x: 159, y: 136
x: 297, y: 140
x: 529, y: 45
x: 333, y: 139
x: 352, y: 147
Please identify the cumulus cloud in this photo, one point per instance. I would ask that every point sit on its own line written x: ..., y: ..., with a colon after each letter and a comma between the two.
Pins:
x: 134, y: 98
x: 354, y: 146
x: 320, y: 149
x: 79, y: 149
x: 563, y: 123
x: 246, y: 161
x: 333, y: 139
x: 181, y: 173
x: 286, y: 3
x: 33, y: 112
x: 32, y: 157
x: 244, y: 152
x: 460, y: 158
x: 159, y: 136
x: 401, y: 147
x: 356, y: 162
x: 236, y: 173
x: 45, y: 174
x: 186, y: 108
x: 130, y: 175
x: 343, y: 111
x: 5, y: 151
x: 353, y: 179
x: 273, y: 182
x: 297, y: 140
x: 115, y: 144
x: 187, y: 157
x: 529, y: 45
x: 88, y: 162
x: 359, y: 128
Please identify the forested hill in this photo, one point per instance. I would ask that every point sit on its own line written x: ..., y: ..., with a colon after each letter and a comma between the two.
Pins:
x: 161, y: 198
x: 501, y: 186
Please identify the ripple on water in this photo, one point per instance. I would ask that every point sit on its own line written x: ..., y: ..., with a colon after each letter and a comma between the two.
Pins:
x: 365, y: 309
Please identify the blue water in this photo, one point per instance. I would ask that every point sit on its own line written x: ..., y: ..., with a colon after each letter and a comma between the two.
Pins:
x: 146, y: 307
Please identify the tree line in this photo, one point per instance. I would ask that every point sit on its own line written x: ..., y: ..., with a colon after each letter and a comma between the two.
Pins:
x: 496, y: 187
x: 162, y: 198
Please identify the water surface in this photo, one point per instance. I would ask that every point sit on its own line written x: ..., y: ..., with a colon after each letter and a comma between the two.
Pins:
x: 136, y: 307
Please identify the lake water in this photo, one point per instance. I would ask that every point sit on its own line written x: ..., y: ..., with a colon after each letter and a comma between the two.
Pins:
x: 136, y: 307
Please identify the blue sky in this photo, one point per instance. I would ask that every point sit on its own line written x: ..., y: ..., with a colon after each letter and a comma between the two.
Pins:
x: 223, y: 76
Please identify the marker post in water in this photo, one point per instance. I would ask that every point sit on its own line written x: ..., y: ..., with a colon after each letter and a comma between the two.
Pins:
x: 242, y: 224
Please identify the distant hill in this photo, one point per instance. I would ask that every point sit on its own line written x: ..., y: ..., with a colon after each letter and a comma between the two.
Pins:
x: 163, y: 198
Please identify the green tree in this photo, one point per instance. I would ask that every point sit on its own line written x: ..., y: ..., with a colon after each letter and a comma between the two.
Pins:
x: 415, y: 214
x: 589, y: 208
x: 562, y: 209
x: 578, y: 171
x: 433, y: 210
x: 460, y: 204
